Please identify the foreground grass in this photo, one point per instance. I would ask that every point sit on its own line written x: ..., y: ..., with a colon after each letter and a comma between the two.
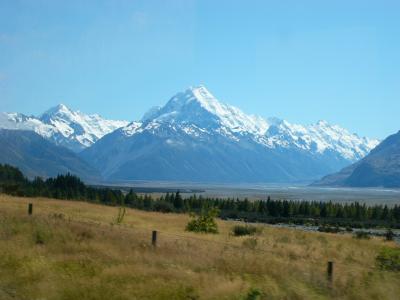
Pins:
x: 71, y: 250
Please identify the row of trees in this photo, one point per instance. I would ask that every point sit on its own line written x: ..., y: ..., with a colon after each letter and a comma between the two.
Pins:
x: 268, y: 210
x: 70, y: 187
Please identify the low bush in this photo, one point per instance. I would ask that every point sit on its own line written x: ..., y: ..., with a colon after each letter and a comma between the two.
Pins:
x: 240, y: 230
x: 389, y: 235
x: 253, y: 294
x: 204, y: 223
x: 389, y: 259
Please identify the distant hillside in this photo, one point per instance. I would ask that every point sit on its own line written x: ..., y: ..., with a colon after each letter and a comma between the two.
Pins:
x: 380, y: 168
x: 36, y: 156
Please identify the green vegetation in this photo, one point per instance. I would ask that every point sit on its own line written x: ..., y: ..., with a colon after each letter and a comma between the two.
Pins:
x: 253, y: 294
x: 323, y: 214
x: 68, y: 187
x: 389, y: 235
x: 204, y: 222
x: 389, y: 259
x: 120, y: 216
x: 240, y: 230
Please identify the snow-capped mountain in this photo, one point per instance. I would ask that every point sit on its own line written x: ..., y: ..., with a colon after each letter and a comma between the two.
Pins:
x: 198, y: 107
x: 196, y: 137
x: 65, y: 127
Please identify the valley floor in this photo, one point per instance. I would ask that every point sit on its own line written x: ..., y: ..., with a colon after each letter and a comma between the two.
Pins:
x: 74, y: 250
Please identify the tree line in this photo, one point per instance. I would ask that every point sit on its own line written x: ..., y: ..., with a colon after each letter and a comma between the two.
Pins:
x: 70, y: 187
x: 67, y: 187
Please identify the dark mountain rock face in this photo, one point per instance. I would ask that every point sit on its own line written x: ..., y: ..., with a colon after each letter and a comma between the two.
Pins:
x: 36, y: 156
x: 380, y: 168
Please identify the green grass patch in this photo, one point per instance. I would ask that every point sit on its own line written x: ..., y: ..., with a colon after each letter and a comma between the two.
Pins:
x: 389, y: 259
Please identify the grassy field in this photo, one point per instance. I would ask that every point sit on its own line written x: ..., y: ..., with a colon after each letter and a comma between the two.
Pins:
x: 73, y: 250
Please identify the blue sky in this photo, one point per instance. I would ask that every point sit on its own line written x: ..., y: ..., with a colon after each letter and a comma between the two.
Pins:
x: 298, y: 60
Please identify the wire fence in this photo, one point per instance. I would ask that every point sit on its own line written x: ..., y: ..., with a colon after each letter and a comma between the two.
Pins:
x: 160, y: 239
x: 164, y: 238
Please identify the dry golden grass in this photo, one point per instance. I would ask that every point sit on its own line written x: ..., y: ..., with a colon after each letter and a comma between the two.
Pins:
x: 81, y: 255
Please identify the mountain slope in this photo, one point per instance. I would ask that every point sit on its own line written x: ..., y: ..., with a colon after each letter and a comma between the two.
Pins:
x: 36, y: 156
x: 63, y: 126
x: 380, y: 168
x: 195, y: 137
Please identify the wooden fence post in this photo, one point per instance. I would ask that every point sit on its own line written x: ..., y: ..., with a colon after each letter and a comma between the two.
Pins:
x: 154, y: 238
x: 30, y: 208
x: 330, y: 271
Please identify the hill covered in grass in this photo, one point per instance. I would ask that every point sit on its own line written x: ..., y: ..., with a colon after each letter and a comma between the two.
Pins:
x: 75, y: 250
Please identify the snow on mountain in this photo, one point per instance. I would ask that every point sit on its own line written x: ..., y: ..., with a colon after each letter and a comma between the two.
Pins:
x: 380, y: 168
x: 195, y: 137
x: 132, y: 128
x: 79, y: 127
x: 319, y: 138
x: 198, y: 106
x: 72, y: 129
x: 198, y: 112
x: 23, y: 122
x: 151, y: 113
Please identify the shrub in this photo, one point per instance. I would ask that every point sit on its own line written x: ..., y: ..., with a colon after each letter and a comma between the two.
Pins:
x: 253, y: 294
x: 120, y: 216
x: 205, y: 222
x: 389, y: 235
x: 362, y: 235
x: 240, y: 230
x: 389, y: 259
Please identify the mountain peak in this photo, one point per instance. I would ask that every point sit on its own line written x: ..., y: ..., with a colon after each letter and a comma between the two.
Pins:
x: 62, y: 106
x: 202, y: 94
x: 59, y: 108
x: 198, y: 106
x: 198, y: 94
x: 322, y: 123
x: 208, y: 101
